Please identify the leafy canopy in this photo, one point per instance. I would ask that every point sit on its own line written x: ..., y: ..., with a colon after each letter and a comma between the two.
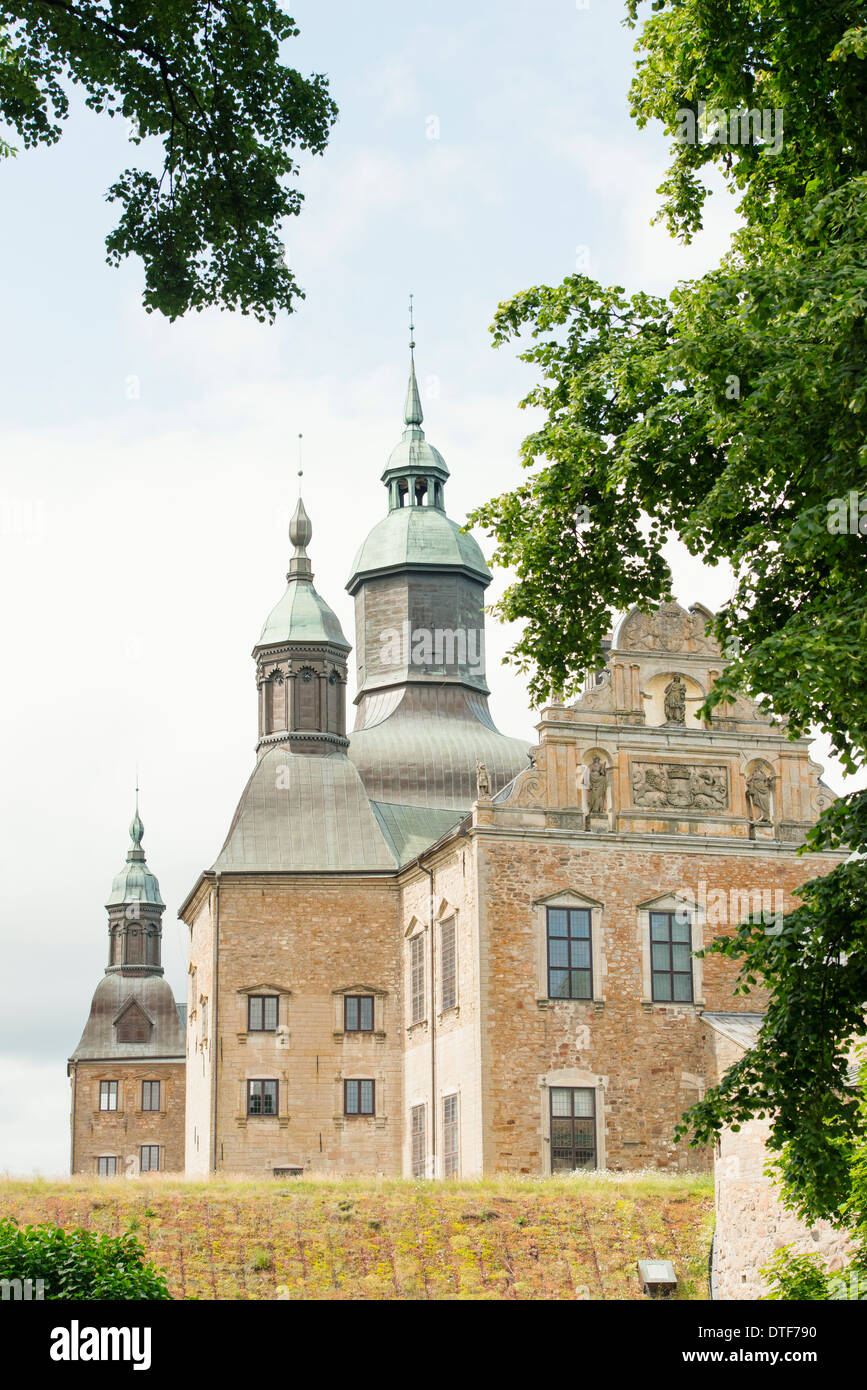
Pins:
x: 205, y: 79
x: 731, y: 414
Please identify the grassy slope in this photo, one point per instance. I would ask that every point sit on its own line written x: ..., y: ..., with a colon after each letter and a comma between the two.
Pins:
x: 359, y: 1238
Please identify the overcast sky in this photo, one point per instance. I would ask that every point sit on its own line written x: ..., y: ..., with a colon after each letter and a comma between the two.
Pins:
x: 148, y: 468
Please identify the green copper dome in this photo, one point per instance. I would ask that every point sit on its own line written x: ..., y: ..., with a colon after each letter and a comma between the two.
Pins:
x: 135, y: 883
x: 416, y: 531
x: 301, y: 615
x: 418, y: 536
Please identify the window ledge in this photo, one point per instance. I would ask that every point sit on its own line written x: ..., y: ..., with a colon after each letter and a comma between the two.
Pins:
x: 98, y: 1114
x: 419, y: 1026
x: 454, y: 1012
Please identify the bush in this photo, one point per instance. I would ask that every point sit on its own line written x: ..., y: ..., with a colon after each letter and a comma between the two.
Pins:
x: 795, y: 1276
x: 79, y: 1264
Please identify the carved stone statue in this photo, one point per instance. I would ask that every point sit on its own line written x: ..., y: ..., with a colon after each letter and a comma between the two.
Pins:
x: 675, y: 700
x: 483, y: 786
x: 598, y: 787
x: 759, y: 796
x: 531, y: 758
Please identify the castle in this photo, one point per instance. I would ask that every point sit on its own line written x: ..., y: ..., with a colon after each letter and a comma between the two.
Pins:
x: 425, y: 948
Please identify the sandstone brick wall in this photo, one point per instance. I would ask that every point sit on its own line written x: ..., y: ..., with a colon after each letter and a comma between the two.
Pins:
x: 122, y: 1132
x: 647, y: 1061
x: 304, y: 939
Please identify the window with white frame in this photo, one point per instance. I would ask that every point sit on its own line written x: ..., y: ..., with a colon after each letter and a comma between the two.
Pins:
x: 418, y: 1140
x: 671, y: 957
x: 448, y: 965
x: 451, y: 1138
x: 416, y: 978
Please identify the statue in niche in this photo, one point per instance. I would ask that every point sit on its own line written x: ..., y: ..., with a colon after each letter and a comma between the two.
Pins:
x: 759, y: 796
x: 675, y: 700
x: 598, y: 786
x: 483, y: 786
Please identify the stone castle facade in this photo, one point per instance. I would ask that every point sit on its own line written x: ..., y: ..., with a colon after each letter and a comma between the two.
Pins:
x: 428, y: 949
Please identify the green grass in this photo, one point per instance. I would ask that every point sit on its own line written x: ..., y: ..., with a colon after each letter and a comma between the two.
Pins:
x: 388, y: 1238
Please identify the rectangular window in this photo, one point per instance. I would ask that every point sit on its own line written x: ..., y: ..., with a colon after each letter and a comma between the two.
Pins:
x: 108, y: 1095
x: 150, y: 1095
x: 150, y: 1158
x: 448, y: 965
x: 416, y: 978
x: 358, y: 1097
x: 671, y: 957
x: 204, y: 1020
x: 570, y: 974
x: 417, y: 1134
x: 451, y: 1161
x: 262, y: 1013
x: 261, y: 1097
x: 106, y: 1166
x: 358, y: 1013
x: 573, y: 1128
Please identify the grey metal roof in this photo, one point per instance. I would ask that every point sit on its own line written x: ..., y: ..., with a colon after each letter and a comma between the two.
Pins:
x: 742, y: 1029
x: 154, y: 994
x: 304, y: 812
x: 424, y: 753
x: 182, y: 1013
x: 411, y: 829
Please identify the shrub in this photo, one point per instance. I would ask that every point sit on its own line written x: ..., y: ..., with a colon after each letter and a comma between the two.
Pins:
x: 79, y: 1264
x: 795, y: 1276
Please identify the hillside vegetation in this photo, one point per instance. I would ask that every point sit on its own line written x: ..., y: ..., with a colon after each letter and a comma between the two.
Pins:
x: 367, y: 1238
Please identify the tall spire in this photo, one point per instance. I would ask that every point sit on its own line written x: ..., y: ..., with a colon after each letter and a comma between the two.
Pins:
x: 412, y: 412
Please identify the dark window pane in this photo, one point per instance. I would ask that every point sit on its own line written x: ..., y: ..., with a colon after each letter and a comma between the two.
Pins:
x: 680, y: 958
x: 270, y: 1011
x: 270, y: 1107
x: 659, y: 926
x: 659, y: 955
x: 559, y: 984
x: 580, y: 922
x: 350, y: 1007
x: 366, y: 1007
x: 581, y: 984
x: 255, y: 1013
x: 558, y: 952
x: 683, y: 988
x: 558, y: 921
x: 366, y: 1106
x: 662, y: 988
x: 580, y: 952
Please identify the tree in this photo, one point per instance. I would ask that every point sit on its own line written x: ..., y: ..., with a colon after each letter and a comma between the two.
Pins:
x: 204, y: 78
x: 731, y: 415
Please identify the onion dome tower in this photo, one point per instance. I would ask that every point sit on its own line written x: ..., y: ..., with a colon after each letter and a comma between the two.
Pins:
x: 301, y: 662
x: 419, y: 585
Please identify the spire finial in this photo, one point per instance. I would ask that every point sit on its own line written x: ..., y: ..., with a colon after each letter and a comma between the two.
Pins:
x: 300, y: 533
x: 300, y: 464
x: 136, y: 829
x: 412, y: 412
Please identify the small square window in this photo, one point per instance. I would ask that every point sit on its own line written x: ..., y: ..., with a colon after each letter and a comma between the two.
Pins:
x: 106, y: 1166
x: 150, y: 1158
x: 108, y: 1095
x: 262, y: 1013
x: 358, y: 1013
x: 358, y: 1098
x: 261, y: 1097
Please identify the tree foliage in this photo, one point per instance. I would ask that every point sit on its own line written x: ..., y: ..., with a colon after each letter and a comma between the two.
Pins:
x: 731, y: 414
x: 203, y: 79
